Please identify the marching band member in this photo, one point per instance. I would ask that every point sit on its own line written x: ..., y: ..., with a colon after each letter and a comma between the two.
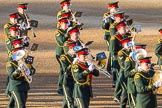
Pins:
x: 144, y: 85
x: 13, y: 34
x: 82, y: 75
x: 16, y: 43
x: 18, y: 86
x: 69, y: 16
x: 108, y: 18
x: 65, y: 6
x: 115, y: 46
x: 74, y: 35
x: 129, y: 73
x: 13, y: 21
x: 121, y: 84
x: 23, y: 19
x: 73, y: 21
x: 118, y: 17
x: 60, y: 39
x: 68, y: 81
x: 158, y: 51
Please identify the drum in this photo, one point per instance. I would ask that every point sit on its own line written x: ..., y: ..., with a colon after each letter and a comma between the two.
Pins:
x: 158, y: 76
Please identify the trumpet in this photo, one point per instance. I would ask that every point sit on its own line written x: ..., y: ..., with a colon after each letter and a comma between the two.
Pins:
x: 30, y: 24
x: 18, y: 56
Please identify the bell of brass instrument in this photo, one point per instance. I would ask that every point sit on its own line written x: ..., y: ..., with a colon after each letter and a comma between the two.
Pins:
x: 19, y: 57
x: 138, y: 54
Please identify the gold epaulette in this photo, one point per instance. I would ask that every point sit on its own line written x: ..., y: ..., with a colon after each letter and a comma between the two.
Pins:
x: 120, y: 52
x: 58, y: 32
x: 136, y: 76
x: 127, y: 59
x: 6, y: 26
x: 106, y: 14
x: 112, y: 37
x: 159, y: 41
x: 58, y: 14
x: 8, y: 64
x: 112, y: 25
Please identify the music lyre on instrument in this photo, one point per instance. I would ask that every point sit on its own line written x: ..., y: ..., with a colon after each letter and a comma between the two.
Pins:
x: 99, y: 63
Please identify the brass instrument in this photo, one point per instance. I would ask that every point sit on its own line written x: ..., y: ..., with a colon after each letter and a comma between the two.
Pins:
x: 19, y: 57
x: 31, y: 24
x: 157, y: 76
x: 138, y: 54
x: 28, y: 21
x: 99, y: 65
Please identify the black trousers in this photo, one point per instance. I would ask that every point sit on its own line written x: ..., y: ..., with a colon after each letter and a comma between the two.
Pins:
x: 20, y: 98
x: 61, y: 74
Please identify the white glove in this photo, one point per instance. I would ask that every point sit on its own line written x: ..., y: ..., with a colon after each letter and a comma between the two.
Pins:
x: 157, y: 84
x: 106, y: 19
x: 139, y: 69
x: 131, y: 53
x: 112, y: 17
x: 75, y: 60
x: 160, y: 75
x: 26, y: 39
x: 91, y: 67
x: 20, y: 67
x: 89, y: 62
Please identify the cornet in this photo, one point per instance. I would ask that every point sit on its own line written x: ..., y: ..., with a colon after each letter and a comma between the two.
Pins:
x: 19, y: 56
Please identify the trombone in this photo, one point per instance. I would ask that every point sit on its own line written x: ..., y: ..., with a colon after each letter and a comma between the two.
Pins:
x: 99, y: 66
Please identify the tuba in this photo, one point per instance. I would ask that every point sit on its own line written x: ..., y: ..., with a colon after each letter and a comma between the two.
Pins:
x: 19, y: 57
x: 138, y: 54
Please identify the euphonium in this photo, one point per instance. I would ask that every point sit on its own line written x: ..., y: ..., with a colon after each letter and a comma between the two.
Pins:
x: 138, y: 54
x: 19, y: 56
